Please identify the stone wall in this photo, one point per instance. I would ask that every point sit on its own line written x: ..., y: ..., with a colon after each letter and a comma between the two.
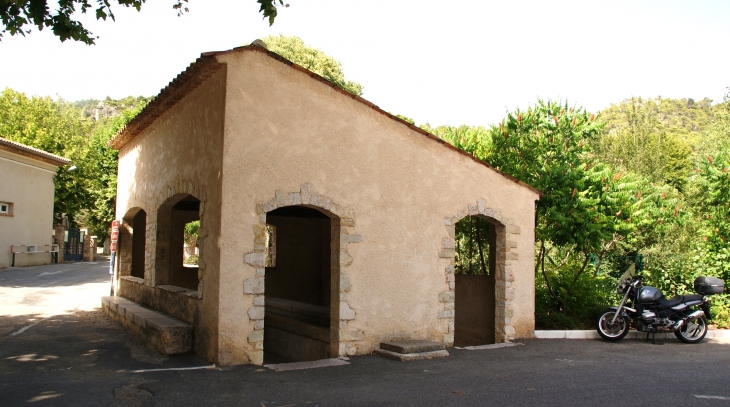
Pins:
x: 179, y: 155
x: 292, y: 140
x: 343, y: 222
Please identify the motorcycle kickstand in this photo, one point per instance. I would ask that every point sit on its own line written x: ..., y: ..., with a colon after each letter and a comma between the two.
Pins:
x: 653, y: 336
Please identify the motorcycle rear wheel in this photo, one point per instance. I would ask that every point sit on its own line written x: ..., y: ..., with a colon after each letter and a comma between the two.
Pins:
x: 615, y: 331
x: 693, y: 331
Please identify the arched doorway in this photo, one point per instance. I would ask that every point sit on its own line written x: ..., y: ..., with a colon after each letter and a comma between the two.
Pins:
x: 132, y: 241
x: 172, y: 217
x: 475, y: 276
x: 301, y: 264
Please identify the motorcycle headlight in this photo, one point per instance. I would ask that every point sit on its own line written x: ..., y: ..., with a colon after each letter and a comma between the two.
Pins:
x: 622, y: 288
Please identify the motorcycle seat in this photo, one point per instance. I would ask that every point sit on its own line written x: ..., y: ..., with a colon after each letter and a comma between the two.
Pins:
x: 676, y: 300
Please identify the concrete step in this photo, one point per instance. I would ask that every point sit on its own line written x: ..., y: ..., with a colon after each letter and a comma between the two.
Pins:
x: 411, y: 346
x: 409, y: 350
x: 162, y: 332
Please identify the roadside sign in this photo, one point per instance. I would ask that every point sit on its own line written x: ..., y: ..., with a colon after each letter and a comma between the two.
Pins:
x: 115, y: 236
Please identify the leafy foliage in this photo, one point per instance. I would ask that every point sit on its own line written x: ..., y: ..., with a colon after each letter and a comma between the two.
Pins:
x: 269, y: 10
x: 99, y: 168
x: 714, y: 204
x: 472, y: 246
x: 591, y: 211
x: 52, y: 126
x: 294, y: 49
x: 653, y: 137
x: 18, y: 16
x: 476, y: 141
x: 85, y: 196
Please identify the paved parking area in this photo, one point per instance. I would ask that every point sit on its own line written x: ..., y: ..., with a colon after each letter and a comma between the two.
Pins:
x: 71, y: 354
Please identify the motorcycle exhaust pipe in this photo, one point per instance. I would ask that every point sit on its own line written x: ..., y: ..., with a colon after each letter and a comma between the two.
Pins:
x: 693, y: 315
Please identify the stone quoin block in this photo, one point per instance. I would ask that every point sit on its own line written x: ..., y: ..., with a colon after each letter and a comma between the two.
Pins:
x: 253, y: 285
x: 446, y: 314
x: 257, y: 259
x: 256, y: 313
x: 346, y: 313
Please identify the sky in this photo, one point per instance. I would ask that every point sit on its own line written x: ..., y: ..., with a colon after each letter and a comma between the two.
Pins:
x: 437, y: 62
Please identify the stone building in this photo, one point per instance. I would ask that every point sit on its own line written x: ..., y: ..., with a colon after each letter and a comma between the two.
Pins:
x: 26, y: 203
x: 326, y: 223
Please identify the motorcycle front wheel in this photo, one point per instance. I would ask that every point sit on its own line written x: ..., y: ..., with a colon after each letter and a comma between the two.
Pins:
x: 693, y: 331
x: 612, y: 331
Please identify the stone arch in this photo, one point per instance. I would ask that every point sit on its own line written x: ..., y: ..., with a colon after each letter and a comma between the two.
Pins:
x: 342, y: 340
x: 132, y: 243
x: 172, y: 215
x: 505, y: 252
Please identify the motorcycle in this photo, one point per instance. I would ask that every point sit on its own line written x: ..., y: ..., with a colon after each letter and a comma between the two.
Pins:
x: 648, y: 311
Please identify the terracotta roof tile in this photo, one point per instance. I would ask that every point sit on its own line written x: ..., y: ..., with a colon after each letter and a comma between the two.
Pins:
x: 207, y: 65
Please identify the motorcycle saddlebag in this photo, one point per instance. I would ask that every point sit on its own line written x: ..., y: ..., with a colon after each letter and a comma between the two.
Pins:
x: 709, y: 285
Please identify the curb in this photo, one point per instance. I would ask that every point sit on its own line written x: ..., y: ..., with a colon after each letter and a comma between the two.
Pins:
x: 592, y: 334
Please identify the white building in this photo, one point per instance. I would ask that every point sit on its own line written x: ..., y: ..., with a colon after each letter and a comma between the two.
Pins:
x: 26, y: 202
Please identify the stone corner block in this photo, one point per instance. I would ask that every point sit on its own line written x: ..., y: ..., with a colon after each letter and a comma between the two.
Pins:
x: 346, y: 313
x: 351, y: 335
x: 256, y: 336
x: 446, y: 314
x: 345, y: 259
x: 350, y: 238
x: 256, y: 259
x: 253, y: 285
x: 447, y: 243
x: 256, y: 313
x: 256, y: 357
x: 447, y: 296
x: 447, y: 253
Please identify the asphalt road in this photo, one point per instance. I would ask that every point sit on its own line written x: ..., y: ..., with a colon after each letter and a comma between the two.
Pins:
x: 71, y: 354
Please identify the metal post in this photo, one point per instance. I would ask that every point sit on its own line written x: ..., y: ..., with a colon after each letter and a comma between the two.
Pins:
x: 111, y: 272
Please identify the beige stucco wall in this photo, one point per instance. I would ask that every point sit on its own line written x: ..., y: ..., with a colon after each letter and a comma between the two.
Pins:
x: 28, y: 185
x: 179, y: 154
x: 398, y: 194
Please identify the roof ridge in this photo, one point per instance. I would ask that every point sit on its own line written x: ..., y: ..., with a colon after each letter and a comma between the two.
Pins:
x: 207, y: 60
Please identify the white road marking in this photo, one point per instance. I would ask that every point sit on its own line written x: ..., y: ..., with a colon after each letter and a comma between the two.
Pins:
x: 699, y: 396
x: 211, y: 367
x: 23, y: 329
x: 48, y: 273
x: 492, y: 346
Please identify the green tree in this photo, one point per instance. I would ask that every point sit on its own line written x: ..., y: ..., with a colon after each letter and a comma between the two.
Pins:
x: 18, y: 16
x: 476, y: 141
x: 653, y: 137
x: 99, y: 170
x: 55, y: 127
x: 86, y: 196
x: 294, y: 49
x: 589, y: 208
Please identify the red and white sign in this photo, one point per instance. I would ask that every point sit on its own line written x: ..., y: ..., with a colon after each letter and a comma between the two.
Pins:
x: 115, y: 235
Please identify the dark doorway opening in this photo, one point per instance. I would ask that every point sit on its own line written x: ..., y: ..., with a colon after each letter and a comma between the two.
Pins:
x: 185, y: 211
x: 74, y: 245
x: 299, y: 280
x: 474, y: 268
x: 139, y: 225
x: 172, y: 216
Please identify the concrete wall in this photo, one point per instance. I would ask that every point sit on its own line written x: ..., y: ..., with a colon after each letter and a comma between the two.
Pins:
x: 28, y: 185
x: 178, y: 155
x: 292, y: 140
